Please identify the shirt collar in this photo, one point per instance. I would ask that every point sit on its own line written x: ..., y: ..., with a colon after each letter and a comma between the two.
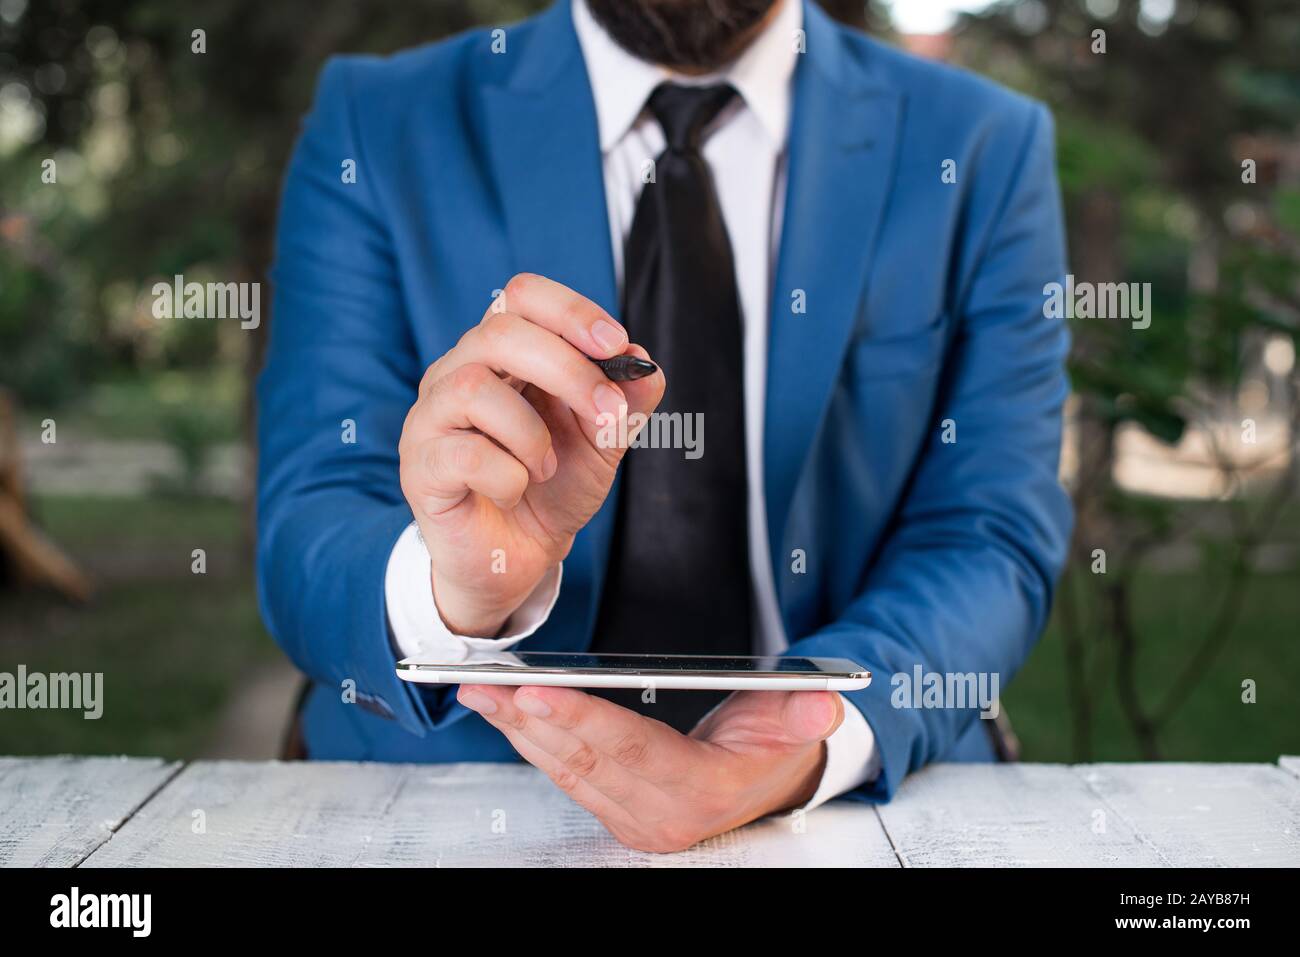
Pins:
x: 621, y: 83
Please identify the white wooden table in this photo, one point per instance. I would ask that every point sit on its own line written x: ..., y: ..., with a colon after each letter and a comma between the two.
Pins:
x: 127, y: 812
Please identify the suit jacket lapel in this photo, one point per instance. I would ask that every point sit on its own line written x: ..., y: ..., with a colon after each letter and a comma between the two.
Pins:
x: 545, y: 156
x: 544, y: 150
x: 843, y: 136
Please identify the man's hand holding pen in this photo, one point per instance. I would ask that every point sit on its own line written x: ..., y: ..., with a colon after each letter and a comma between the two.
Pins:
x: 500, y: 450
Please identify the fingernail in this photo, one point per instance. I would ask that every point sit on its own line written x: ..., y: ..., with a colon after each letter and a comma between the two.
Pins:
x: 811, y: 714
x: 823, y: 708
x: 549, y: 464
x: 609, y: 401
x: 529, y: 704
x: 608, y: 336
x: 477, y: 701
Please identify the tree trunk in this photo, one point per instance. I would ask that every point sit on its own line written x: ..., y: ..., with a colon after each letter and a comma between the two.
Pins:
x: 29, y: 555
x: 1096, y: 259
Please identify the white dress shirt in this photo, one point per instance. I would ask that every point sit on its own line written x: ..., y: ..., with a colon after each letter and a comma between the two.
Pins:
x: 746, y: 150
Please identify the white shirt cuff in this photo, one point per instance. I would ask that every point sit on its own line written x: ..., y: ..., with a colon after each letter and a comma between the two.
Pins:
x: 413, y: 619
x: 852, y: 758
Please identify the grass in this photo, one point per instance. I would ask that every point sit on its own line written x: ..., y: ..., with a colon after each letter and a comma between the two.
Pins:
x: 141, y: 407
x: 1213, y: 724
x: 174, y: 647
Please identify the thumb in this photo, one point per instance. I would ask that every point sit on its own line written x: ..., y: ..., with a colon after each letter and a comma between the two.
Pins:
x: 812, y: 715
x: 609, y: 436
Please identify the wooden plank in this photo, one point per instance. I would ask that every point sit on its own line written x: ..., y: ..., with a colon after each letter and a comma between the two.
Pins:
x: 255, y: 814
x: 1008, y: 815
x: 512, y: 816
x: 1290, y: 763
x: 1207, y: 815
x: 373, y: 815
x: 56, y: 811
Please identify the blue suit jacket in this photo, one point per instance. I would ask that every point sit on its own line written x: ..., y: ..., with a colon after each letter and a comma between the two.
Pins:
x: 922, y: 302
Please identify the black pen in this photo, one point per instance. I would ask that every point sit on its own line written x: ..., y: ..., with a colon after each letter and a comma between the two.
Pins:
x: 625, y: 368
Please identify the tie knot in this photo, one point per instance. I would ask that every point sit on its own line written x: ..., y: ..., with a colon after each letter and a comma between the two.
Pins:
x: 684, y: 111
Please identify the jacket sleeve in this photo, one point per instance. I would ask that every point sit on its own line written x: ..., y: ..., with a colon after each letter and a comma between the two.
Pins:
x: 964, y: 581
x: 340, y: 374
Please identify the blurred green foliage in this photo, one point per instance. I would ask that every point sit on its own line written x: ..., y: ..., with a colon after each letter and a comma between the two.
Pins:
x: 167, y: 161
x: 1155, y: 119
x: 173, y: 647
x: 1179, y: 153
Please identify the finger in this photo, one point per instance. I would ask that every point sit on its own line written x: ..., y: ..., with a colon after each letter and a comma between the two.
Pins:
x: 606, y: 810
x: 647, y: 748
x: 445, y: 469
x: 511, y: 345
x: 812, y: 715
x: 557, y: 308
x: 484, y: 700
x: 591, y: 765
x: 611, y: 435
x: 474, y: 397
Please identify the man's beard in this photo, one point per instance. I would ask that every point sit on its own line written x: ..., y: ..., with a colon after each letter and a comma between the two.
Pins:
x: 684, y: 34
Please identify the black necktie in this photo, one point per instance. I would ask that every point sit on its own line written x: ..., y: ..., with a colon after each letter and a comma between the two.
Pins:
x: 678, y: 576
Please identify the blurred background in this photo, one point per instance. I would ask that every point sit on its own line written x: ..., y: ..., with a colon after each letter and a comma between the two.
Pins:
x: 124, y: 439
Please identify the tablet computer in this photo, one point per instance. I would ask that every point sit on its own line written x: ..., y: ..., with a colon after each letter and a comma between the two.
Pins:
x: 581, y: 670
